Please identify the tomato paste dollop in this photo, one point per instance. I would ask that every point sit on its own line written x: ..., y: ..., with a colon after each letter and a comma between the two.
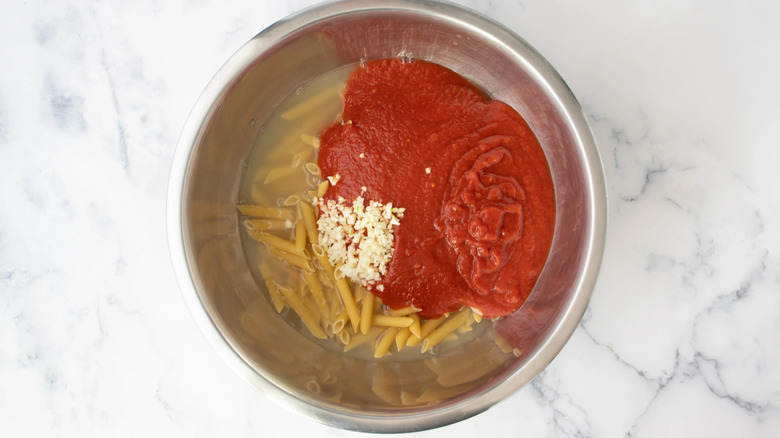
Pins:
x: 475, y: 183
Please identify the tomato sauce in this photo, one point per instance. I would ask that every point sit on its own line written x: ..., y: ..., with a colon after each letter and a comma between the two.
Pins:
x: 476, y: 186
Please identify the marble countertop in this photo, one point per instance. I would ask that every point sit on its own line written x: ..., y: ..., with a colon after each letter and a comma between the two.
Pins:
x: 681, y: 337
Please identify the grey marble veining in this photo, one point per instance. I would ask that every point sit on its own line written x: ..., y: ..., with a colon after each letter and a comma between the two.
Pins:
x: 680, y: 338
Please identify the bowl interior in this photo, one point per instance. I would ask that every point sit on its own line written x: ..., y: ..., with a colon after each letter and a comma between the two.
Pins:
x: 334, y: 388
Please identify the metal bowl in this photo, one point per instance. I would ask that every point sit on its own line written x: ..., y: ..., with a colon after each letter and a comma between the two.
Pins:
x: 342, y: 391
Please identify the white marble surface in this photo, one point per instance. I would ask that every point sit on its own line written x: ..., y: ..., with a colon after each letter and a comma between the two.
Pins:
x: 681, y: 336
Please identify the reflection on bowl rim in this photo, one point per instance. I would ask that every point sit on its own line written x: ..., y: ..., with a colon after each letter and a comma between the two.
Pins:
x: 451, y: 413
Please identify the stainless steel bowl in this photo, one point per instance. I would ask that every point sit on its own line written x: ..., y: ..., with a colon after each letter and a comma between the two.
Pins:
x: 367, y: 395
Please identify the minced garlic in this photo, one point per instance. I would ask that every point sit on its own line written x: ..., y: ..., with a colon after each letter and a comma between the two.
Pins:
x: 358, y: 238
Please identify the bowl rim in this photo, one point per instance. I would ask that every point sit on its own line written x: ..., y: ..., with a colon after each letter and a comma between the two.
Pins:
x: 391, y: 422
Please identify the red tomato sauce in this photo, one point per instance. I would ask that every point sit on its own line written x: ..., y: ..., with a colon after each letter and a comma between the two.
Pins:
x: 476, y: 186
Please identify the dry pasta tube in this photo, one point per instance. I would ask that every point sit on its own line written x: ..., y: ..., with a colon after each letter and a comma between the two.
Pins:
x: 445, y: 329
x: 427, y: 327
x: 311, y: 104
x: 299, y: 308
x: 309, y: 196
x: 339, y: 321
x: 404, y: 311
x: 315, y: 287
x: 391, y: 321
x: 309, y: 221
x: 343, y: 337
x: 266, y: 212
x: 401, y: 337
x: 293, y: 259
x: 312, y: 307
x: 322, y: 188
x: 367, y: 312
x: 312, y: 168
x: 320, y: 255
x: 383, y: 346
x: 465, y: 328
x: 333, y: 300
x: 300, y: 235
x: 291, y: 201
x: 311, y: 140
x: 267, y: 224
x: 504, y: 346
x: 359, y: 292
x: 271, y: 240
x: 278, y: 172
x: 304, y: 156
x: 415, y: 327
x: 349, y: 302
x: 451, y: 337
x: 363, y: 338
x: 268, y: 279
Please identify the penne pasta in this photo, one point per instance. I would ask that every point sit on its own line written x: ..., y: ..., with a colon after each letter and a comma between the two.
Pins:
x: 311, y: 140
x: 295, y: 302
x: 425, y: 328
x: 445, y: 329
x: 266, y: 212
x: 310, y: 223
x: 501, y: 343
x: 359, y: 293
x: 343, y: 336
x: 296, y: 260
x: 366, y: 313
x: 312, y: 168
x: 291, y: 200
x: 310, y: 105
x: 279, y: 172
x: 322, y: 188
x: 391, y: 321
x: 300, y: 236
x: 402, y: 337
x: 363, y: 338
x: 274, y: 241
x: 465, y: 328
x: 348, y: 300
x: 383, y: 346
x: 340, y: 321
x: 296, y: 160
x: 451, y: 337
x: 315, y: 287
x: 268, y: 279
x: 405, y: 311
x: 334, y: 302
x: 309, y: 196
x: 268, y: 224
x: 312, y: 307
x: 415, y: 327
